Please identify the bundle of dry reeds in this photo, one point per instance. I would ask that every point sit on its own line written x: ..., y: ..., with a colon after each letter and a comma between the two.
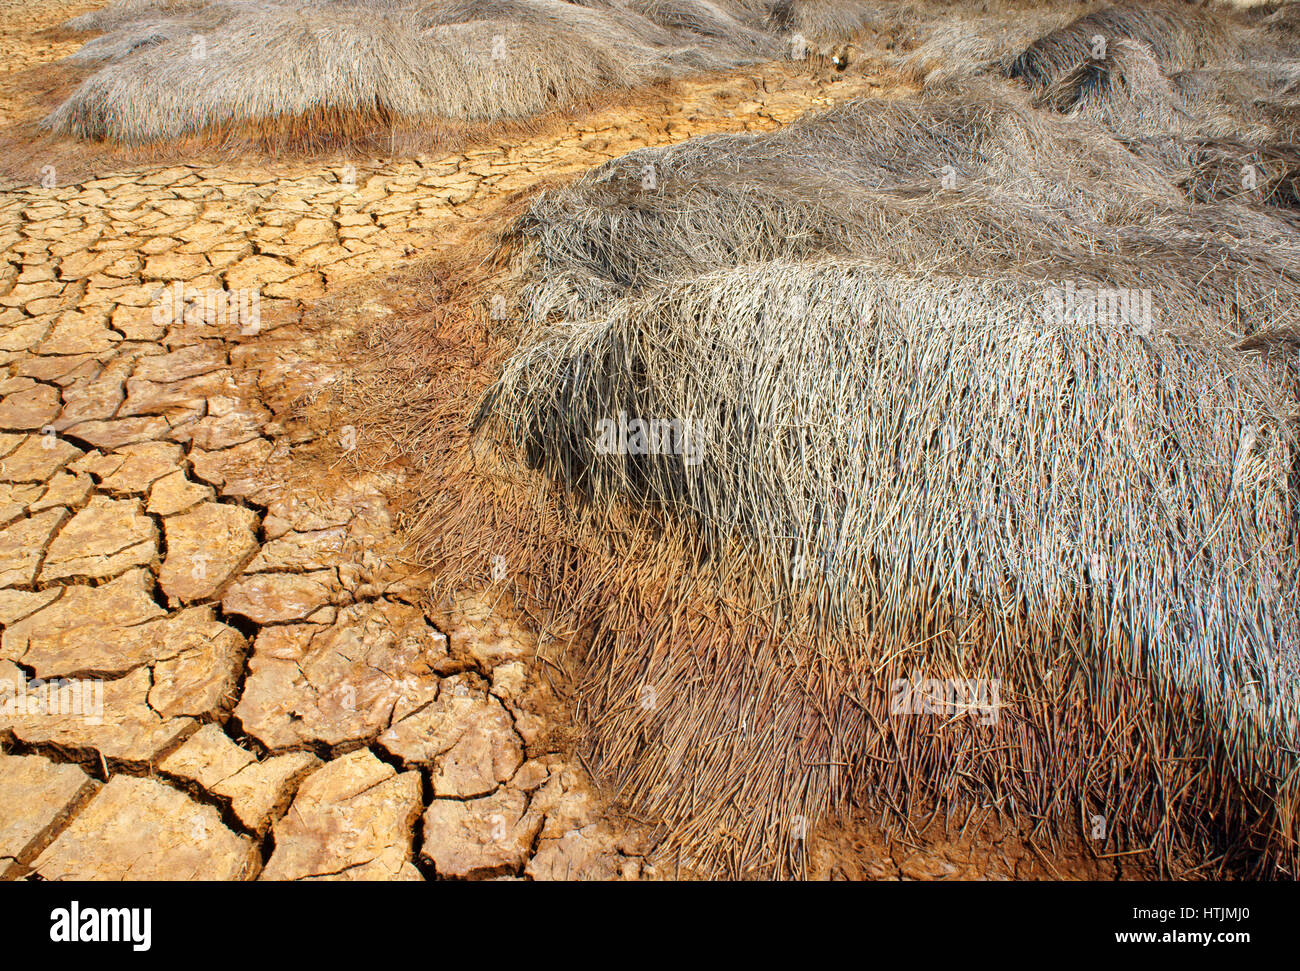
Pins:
x: 864, y: 478
x: 170, y: 70
x: 1221, y: 132
x: 1180, y: 36
x: 976, y: 182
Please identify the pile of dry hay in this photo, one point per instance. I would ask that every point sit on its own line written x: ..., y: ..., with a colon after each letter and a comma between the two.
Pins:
x: 172, y: 69
x: 1227, y: 128
x: 1179, y: 35
x: 974, y: 182
x: 861, y: 459
x: 1212, y: 95
x: 889, y: 477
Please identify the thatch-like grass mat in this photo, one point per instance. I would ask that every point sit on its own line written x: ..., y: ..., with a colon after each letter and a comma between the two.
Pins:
x: 1180, y: 36
x: 880, y: 479
x: 172, y: 70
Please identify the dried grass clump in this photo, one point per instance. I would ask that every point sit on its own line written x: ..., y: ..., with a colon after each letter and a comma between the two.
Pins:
x: 730, y: 24
x: 127, y: 11
x: 1127, y: 92
x: 1224, y: 132
x: 958, y: 46
x: 173, y: 70
x: 901, y: 474
x: 1043, y: 43
x: 1179, y: 35
x: 1029, y: 191
x: 352, y: 61
x: 828, y: 21
x: 1282, y: 24
x: 1259, y: 94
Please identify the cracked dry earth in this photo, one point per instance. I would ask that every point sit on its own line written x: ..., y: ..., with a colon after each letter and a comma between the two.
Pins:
x: 274, y: 702
x: 278, y: 701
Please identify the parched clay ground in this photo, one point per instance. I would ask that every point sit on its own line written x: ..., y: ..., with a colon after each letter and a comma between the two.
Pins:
x: 276, y: 702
